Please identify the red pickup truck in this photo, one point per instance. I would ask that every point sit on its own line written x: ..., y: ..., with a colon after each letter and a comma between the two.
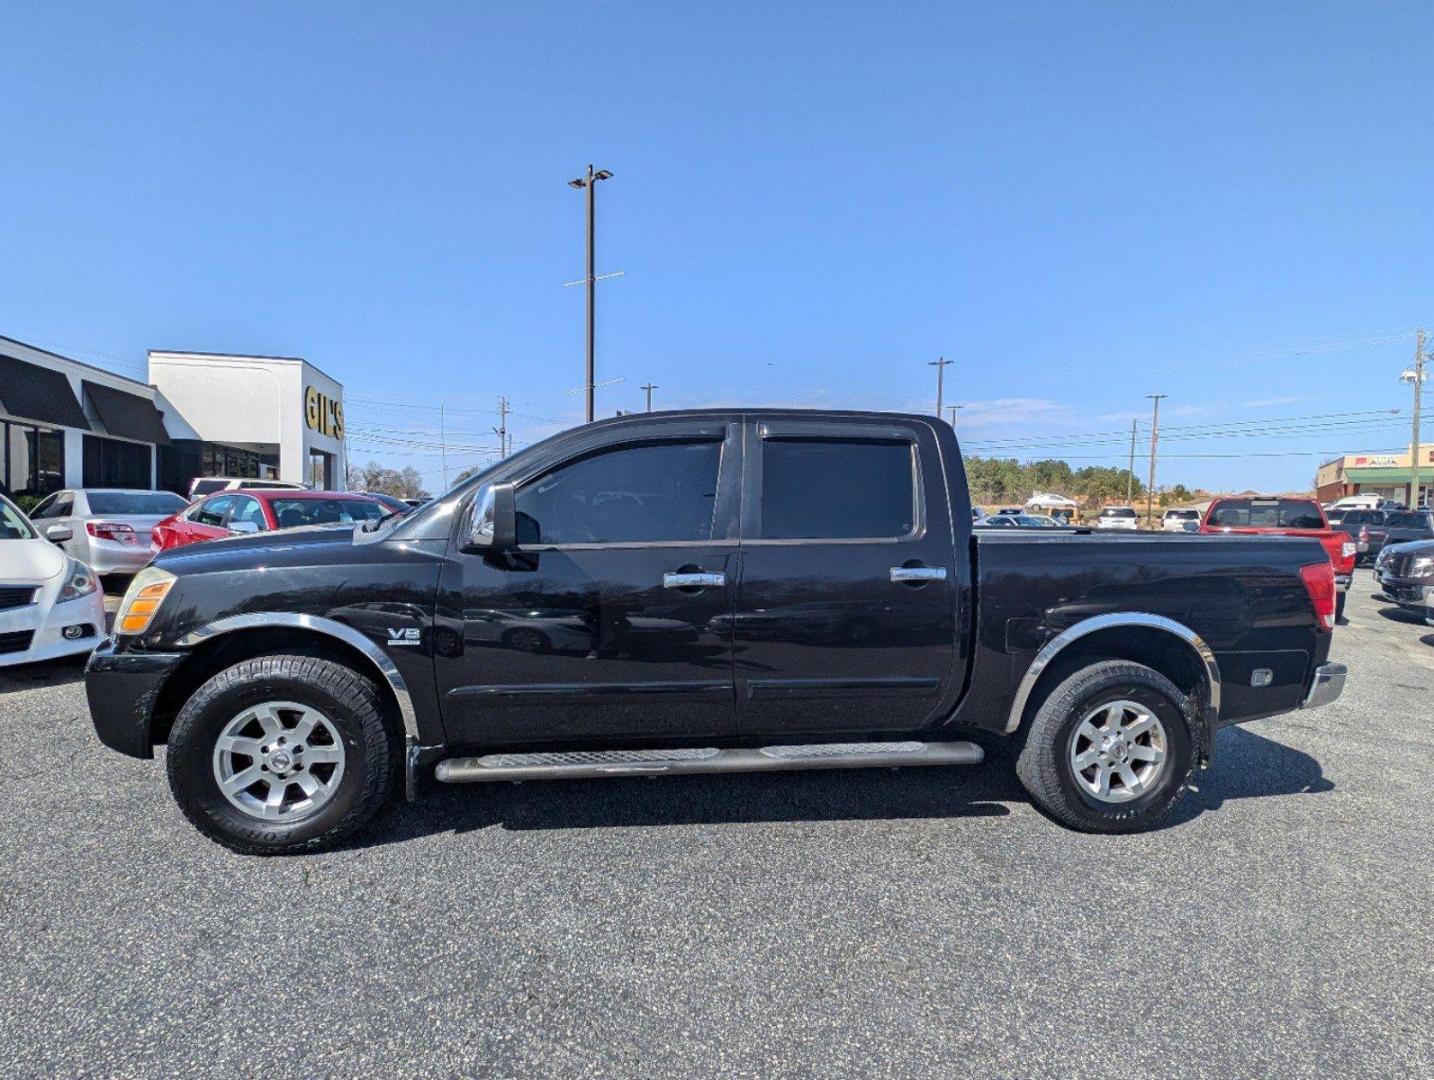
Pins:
x: 1260, y: 515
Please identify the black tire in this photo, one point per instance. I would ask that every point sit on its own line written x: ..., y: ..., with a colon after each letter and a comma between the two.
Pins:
x: 371, y: 753
x: 1044, y: 765
x: 1339, y: 606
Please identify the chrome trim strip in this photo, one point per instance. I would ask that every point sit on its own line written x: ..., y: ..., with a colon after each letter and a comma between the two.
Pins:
x: 1052, y: 649
x: 1327, y: 684
x: 317, y: 623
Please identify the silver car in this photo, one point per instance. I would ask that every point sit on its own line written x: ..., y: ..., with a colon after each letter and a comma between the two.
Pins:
x: 107, y: 528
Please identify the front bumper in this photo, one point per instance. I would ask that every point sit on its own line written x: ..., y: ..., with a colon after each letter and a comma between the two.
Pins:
x: 1328, y: 684
x: 44, y: 621
x: 122, y: 689
x: 1411, y: 594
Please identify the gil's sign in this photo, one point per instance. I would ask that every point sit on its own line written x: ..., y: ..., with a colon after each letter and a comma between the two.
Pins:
x: 323, y: 414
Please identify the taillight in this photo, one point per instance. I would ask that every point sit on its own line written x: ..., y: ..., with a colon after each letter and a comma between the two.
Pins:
x: 110, y: 530
x: 1319, y: 583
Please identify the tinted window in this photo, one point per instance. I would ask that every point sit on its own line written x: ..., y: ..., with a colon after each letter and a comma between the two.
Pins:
x: 212, y: 511
x: 64, y: 507
x: 1268, y: 514
x: 293, y: 513
x: 204, y: 487
x: 1117, y: 512
x: 1407, y: 521
x: 43, y: 510
x: 134, y: 502
x: 638, y: 494
x: 836, y: 489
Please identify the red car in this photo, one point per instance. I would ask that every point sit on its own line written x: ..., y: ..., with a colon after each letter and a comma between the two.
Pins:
x: 231, y: 513
x: 1261, y: 515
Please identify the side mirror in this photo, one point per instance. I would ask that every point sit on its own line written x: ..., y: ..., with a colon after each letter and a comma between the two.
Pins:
x: 240, y: 527
x: 58, y: 534
x: 495, y: 519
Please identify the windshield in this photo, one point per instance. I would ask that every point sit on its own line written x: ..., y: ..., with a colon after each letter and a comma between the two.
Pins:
x: 13, y: 524
x: 1117, y: 512
x: 292, y: 513
x: 1268, y: 514
x: 154, y: 503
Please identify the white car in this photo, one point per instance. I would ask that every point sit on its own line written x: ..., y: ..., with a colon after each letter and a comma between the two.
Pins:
x: 201, y: 486
x: 1118, y: 517
x: 50, y: 603
x: 1180, y: 521
x: 107, y: 529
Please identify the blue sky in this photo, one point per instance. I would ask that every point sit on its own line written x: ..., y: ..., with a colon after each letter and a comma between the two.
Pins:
x: 1080, y: 204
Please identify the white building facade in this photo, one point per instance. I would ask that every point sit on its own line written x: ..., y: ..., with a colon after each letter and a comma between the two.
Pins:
x: 67, y: 424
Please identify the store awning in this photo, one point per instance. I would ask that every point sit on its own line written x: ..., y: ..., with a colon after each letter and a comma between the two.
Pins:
x: 38, y: 393
x: 1386, y: 474
x: 127, y: 415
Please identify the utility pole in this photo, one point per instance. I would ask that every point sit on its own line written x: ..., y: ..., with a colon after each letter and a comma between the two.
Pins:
x: 940, y: 365
x: 1154, y: 442
x: 589, y: 181
x: 1130, y: 472
x: 502, y: 429
x: 953, y: 409
x: 649, y: 387
x: 1415, y: 375
x: 443, y: 445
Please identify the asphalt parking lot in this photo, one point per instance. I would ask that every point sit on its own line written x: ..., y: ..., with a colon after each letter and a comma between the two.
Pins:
x: 920, y: 923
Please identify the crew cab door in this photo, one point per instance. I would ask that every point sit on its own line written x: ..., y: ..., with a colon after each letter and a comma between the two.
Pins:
x: 612, y: 619
x: 847, y: 611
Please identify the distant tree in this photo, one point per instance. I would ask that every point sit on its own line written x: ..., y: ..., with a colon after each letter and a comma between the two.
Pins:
x: 472, y: 470
x: 403, y: 484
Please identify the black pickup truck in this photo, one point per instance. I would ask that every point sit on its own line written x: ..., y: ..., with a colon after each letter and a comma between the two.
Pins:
x: 700, y: 592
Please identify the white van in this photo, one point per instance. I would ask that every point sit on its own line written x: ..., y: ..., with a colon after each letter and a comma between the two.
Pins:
x: 1358, y: 502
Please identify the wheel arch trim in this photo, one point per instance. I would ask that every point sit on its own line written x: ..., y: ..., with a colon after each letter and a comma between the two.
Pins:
x: 259, y: 620
x: 1111, y: 621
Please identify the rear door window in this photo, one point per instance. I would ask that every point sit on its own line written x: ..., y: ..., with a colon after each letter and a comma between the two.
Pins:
x: 248, y: 510
x: 838, y: 489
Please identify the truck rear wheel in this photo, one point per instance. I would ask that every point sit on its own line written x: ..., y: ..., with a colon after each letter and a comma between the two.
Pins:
x: 282, y: 754
x: 1110, y: 748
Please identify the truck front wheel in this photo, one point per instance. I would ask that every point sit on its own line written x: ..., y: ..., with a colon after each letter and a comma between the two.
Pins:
x: 1110, y: 748
x: 282, y: 754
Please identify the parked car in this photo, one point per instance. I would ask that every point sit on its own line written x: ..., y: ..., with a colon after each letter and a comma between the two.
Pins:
x: 1118, y: 517
x: 208, y: 485
x: 1180, y: 521
x: 1398, y: 527
x: 50, y: 602
x: 1263, y: 515
x: 1405, y: 573
x: 393, y: 502
x: 108, y: 529
x: 287, y: 726
x: 1359, y: 524
x: 230, y: 513
x: 1358, y: 502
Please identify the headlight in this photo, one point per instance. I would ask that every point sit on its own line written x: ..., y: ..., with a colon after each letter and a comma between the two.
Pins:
x: 1382, y: 558
x: 142, y: 599
x: 80, y: 581
x: 1422, y: 566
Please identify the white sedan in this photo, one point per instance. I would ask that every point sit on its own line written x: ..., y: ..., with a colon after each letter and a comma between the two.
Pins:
x: 50, y: 604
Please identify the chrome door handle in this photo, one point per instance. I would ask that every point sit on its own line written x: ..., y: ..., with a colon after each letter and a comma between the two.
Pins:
x: 918, y: 573
x: 701, y: 580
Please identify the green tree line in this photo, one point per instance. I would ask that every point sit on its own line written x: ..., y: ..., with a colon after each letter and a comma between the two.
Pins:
x: 1007, y: 480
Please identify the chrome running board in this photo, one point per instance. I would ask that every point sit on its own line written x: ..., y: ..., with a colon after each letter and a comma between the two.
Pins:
x: 595, y: 763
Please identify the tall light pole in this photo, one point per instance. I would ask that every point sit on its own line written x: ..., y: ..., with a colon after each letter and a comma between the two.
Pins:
x: 649, y: 387
x: 589, y: 181
x: 1416, y: 376
x: 940, y: 365
x: 1154, y: 442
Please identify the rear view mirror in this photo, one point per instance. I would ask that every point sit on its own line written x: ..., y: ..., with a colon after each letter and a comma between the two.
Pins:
x: 495, y: 519
x: 58, y: 534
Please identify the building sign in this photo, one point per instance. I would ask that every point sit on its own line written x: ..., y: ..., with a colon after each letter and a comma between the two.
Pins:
x: 323, y: 414
x: 1377, y: 460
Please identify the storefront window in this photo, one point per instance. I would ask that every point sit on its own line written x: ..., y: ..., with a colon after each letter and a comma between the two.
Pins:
x: 116, y: 464
x: 32, y: 459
